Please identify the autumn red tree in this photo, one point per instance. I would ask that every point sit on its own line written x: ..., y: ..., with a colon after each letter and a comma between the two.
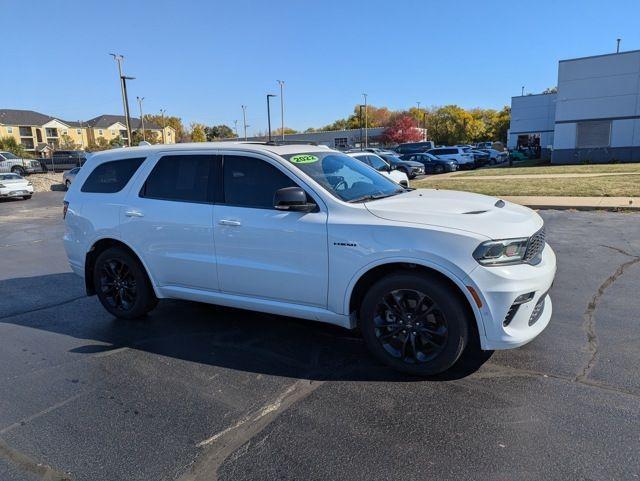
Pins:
x: 402, y: 129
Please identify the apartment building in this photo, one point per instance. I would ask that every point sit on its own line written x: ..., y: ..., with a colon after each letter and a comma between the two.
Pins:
x: 39, y: 133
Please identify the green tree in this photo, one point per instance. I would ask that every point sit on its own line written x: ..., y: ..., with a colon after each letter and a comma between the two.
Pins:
x: 221, y: 131
x: 11, y: 144
x: 287, y: 130
x: 198, y: 133
x: 149, y: 136
x: 116, y: 142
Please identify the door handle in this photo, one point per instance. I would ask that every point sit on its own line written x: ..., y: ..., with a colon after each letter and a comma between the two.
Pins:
x: 133, y: 213
x: 229, y: 222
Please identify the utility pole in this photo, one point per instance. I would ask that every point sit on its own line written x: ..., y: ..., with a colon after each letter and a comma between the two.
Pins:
x: 424, y: 135
x: 235, y: 127
x: 618, y: 46
x: 244, y: 120
x: 366, y: 126
x: 281, y: 82
x: 269, y: 112
x: 522, y: 94
x: 140, y: 99
x: 125, y: 100
x: 162, y: 111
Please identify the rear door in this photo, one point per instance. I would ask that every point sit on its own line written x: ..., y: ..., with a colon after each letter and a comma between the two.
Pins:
x: 168, y: 219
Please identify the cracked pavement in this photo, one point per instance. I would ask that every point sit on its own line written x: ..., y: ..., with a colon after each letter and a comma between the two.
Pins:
x: 197, y: 392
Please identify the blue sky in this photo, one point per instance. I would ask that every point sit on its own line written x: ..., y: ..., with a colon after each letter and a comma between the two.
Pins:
x: 201, y: 60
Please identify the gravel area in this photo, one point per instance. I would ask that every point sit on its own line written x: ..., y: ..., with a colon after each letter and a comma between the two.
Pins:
x: 47, y: 182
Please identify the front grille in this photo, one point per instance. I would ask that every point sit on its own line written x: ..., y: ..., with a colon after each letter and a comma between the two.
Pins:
x: 534, y: 247
x: 537, y: 311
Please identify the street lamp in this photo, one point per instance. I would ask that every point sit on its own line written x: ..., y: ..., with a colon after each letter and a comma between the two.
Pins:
x: 162, y: 111
x: 235, y: 127
x: 123, y: 86
x: 244, y: 120
x: 140, y: 99
x: 366, y: 126
x: 361, y: 119
x: 281, y: 82
x: 269, y: 112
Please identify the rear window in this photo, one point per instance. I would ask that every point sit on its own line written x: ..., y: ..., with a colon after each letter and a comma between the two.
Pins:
x: 112, y: 176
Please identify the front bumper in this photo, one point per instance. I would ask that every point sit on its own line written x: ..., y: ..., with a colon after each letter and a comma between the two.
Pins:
x: 499, y: 287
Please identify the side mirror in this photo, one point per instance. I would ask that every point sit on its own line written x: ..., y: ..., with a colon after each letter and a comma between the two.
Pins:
x: 292, y: 199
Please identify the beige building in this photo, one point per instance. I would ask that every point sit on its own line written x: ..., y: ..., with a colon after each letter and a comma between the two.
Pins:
x: 39, y: 134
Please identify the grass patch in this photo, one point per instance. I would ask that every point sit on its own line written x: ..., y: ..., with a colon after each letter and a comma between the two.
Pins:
x: 522, y: 169
x: 613, y: 186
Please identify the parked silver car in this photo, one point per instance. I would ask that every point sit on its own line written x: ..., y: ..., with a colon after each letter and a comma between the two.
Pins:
x: 10, y: 162
x: 69, y: 176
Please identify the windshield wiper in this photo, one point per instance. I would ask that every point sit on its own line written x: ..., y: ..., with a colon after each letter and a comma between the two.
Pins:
x: 367, y: 197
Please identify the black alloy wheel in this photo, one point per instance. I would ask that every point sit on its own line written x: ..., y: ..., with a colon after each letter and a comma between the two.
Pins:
x: 415, y: 322
x: 410, y: 326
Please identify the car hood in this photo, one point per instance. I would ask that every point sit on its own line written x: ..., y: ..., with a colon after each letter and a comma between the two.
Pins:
x: 479, y: 214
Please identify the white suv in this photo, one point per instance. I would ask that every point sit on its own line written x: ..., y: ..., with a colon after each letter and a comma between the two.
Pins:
x: 309, y: 232
x: 462, y: 155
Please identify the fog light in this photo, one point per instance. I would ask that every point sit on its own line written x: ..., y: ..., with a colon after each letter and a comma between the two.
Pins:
x: 524, y: 298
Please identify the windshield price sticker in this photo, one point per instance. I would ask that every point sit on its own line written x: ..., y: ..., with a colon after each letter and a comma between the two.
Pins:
x: 304, y: 159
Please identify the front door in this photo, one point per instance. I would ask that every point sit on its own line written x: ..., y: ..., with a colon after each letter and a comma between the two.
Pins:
x: 168, y: 221
x: 263, y: 252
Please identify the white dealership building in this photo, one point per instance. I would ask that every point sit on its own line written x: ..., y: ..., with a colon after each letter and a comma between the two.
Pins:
x: 596, y: 111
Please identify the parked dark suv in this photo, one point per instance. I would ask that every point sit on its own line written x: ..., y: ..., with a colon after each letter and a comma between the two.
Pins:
x: 62, y: 160
x: 414, y: 147
x: 412, y: 169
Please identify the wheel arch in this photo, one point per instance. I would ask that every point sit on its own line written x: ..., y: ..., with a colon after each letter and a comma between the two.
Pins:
x: 99, y: 246
x: 372, y: 273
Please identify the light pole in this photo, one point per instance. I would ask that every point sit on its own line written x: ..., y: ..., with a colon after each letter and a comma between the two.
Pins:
x: 281, y: 82
x: 618, y: 45
x: 366, y: 126
x: 125, y: 101
x: 162, y: 111
x: 361, y: 120
x: 244, y: 120
x: 140, y: 99
x: 269, y: 112
x: 522, y: 94
x: 235, y: 127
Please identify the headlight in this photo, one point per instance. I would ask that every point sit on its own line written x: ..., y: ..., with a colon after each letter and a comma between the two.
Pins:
x: 501, y: 252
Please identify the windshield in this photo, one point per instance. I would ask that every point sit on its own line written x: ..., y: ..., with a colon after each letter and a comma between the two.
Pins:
x: 392, y: 159
x: 9, y: 177
x: 9, y: 155
x: 344, y: 177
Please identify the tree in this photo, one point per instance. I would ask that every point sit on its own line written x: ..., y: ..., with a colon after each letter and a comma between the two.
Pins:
x: 116, y: 142
x: 67, y: 143
x: 287, y: 130
x: 198, y: 133
x: 175, y: 122
x: 221, y: 131
x: 550, y: 90
x: 100, y: 144
x: 401, y: 129
x: 11, y: 144
x: 149, y: 136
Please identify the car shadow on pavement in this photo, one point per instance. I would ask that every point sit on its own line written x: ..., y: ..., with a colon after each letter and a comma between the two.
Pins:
x: 211, y: 335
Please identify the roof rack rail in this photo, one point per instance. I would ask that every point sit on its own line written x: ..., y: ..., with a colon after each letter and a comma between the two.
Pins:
x: 283, y: 142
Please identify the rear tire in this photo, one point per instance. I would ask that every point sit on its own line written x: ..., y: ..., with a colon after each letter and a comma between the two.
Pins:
x: 414, y: 324
x: 122, y: 284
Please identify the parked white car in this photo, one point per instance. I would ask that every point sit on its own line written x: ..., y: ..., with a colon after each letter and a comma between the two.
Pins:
x: 69, y: 176
x: 496, y: 157
x: 462, y: 155
x: 309, y: 232
x: 14, y: 185
x: 381, y: 165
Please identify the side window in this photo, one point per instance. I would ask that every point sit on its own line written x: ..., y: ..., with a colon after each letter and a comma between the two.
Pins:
x: 112, y: 176
x: 181, y: 178
x: 251, y: 182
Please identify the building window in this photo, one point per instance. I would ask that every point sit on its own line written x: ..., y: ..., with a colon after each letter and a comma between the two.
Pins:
x: 78, y: 131
x: 340, y: 142
x: 123, y: 134
x: 113, y: 132
x: 51, y: 133
x: 9, y: 130
x: 65, y: 132
x: 26, y: 132
x: 100, y: 132
x: 592, y: 134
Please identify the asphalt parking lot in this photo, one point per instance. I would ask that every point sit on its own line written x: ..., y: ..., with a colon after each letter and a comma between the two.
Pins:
x: 197, y: 392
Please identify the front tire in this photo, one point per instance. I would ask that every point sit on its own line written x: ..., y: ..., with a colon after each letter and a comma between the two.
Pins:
x: 414, y: 324
x: 122, y: 284
x: 26, y: 197
x: 18, y: 170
